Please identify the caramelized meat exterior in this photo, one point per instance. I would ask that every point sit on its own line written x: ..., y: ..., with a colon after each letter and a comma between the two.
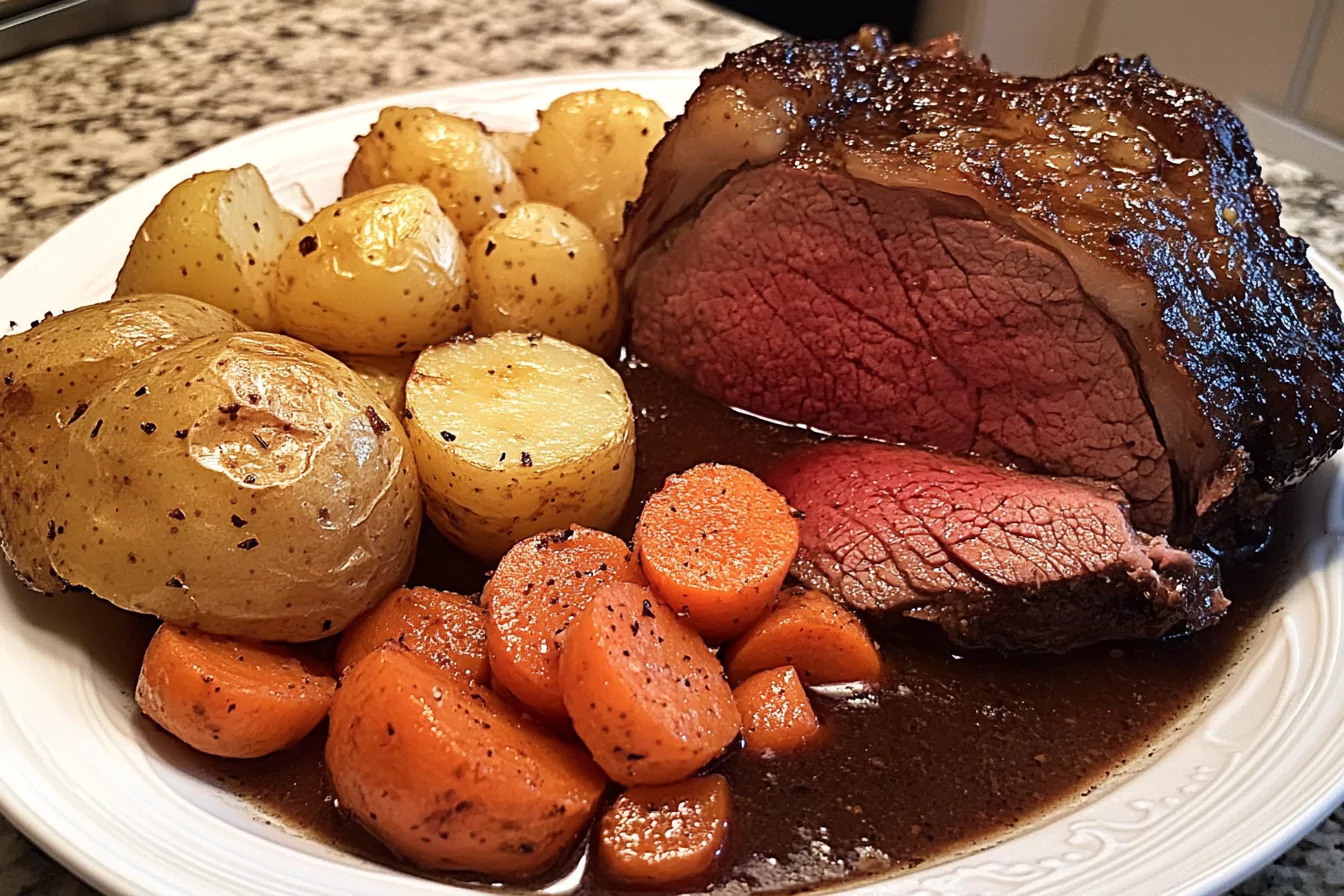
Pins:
x: 1123, y: 208
x: 997, y: 558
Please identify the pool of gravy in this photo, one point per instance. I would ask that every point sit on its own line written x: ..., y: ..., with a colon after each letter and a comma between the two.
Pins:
x: 957, y: 747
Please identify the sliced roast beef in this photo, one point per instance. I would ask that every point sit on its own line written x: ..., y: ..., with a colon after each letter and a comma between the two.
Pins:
x: 996, y: 557
x: 1083, y: 275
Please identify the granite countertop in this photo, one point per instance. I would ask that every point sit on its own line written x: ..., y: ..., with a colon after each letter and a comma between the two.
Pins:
x: 78, y: 123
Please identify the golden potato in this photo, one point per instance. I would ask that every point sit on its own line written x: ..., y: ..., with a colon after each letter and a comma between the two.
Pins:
x: 514, y: 435
x: 248, y: 485
x: 513, y: 144
x: 50, y: 373
x: 588, y: 155
x: 385, y: 375
x: 541, y: 270
x: 214, y: 237
x: 455, y: 158
x: 380, y: 273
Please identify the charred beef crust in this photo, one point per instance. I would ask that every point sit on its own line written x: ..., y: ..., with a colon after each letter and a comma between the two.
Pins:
x: 1152, y: 178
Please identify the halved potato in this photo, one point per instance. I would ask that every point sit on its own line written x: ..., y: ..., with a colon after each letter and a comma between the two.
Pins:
x: 249, y: 485
x: 589, y: 155
x: 454, y: 157
x: 214, y: 237
x: 514, y: 435
x: 50, y: 373
x: 385, y: 375
x: 380, y: 273
x: 541, y: 270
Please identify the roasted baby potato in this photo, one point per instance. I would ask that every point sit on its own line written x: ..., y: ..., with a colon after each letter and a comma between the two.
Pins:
x: 50, y: 372
x: 214, y: 237
x: 588, y: 155
x: 247, y: 485
x: 380, y: 273
x: 385, y: 375
x: 513, y: 144
x: 541, y: 270
x: 455, y: 158
x: 514, y: 435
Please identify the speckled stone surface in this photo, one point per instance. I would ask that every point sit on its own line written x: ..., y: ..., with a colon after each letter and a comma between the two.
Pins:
x: 78, y: 123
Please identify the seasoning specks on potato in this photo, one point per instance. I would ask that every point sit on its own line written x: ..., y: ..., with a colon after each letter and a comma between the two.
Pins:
x: 455, y: 158
x: 248, y: 485
x: 380, y: 273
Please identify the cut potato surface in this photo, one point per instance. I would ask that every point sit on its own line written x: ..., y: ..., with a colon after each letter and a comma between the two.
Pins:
x: 716, y: 543
x: 445, y: 628
x: 515, y: 435
x: 454, y: 158
x: 777, y: 716
x: 646, y: 696
x: 379, y: 273
x: 824, y: 641
x: 385, y: 375
x: 541, y: 270
x: 49, y: 374
x: 542, y: 583
x: 588, y: 155
x: 664, y: 835
x: 450, y: 775
x: 214, y: 237
x: 248, y: 485
x: 229, y: 697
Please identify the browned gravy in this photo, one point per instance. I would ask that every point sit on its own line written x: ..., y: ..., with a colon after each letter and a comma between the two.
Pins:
x: 957, y: 747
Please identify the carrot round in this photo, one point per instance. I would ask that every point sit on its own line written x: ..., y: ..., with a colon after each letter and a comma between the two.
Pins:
x: 824, y: 641
x: 449, y: 775
x: 230, y: 697
x: 540, y: 586
x: 645, y: 694
x: 716, y: 543
x: 777, y: 716
x: 664, y: 835
x: 445, y: 628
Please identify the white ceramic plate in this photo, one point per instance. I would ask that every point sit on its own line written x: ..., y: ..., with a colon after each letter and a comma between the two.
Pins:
x: 83, y: 775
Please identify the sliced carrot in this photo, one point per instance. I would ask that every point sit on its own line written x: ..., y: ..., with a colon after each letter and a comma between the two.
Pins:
x: 230, y: 697
x: 449, y: 775
x: 825, y: 642
x: 777, y: 716
x: 664, y: 835
x: 716, y: 543
x: 646, y: 695
x: 446, y: 628
x: 540, y: 586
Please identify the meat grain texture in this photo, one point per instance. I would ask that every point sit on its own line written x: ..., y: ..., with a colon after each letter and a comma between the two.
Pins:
x: 1081, y: 275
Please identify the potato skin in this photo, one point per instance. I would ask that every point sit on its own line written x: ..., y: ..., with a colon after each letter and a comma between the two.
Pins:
x: 247, y: 485
x: 52, y: 370
x: 214, y: 237
x: 453, y: 157
x: 541, y: 270
x: 513, y: 144
x: 380, y: 273
x: 589, y: 153
x: 385, y: 375
x: 450, y: 775
x: 514, y: 435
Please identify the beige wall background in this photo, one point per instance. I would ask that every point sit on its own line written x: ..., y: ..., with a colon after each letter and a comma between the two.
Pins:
x: 1278, y: 63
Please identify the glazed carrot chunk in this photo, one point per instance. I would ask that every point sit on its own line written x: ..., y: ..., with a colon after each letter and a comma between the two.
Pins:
x: 449, y: 775
x: 659, y: 836
x: 540, y: 586
x: 716, y: 543
x: 823, y: 641
x: 230, y: 697
x: 445, y: 628
x: 777, y: 716
x: 646, y: 695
